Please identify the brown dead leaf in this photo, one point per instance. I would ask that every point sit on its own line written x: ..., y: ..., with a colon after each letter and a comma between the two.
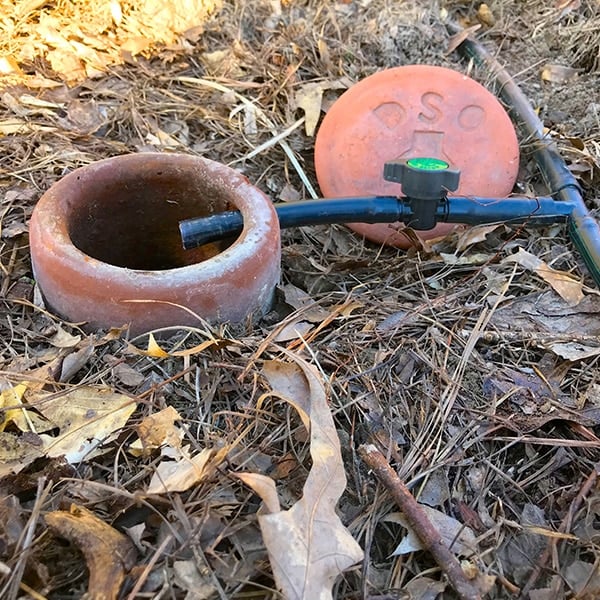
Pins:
x: 558, y: 73
x: 63, y: 339
x: 265, y: 487
x: 547, y: 314
x: 458, y: 38
x: 85, y: 417
x: 301, y: 301
x: 526, y: 400
x: 84, y: 117
x: 18, y: 451
x: 13, y: 126
x: 158, y: 430
x: 309, y: 98
x: 74, y: 361
x: 424, y: 588
x: 308, y: 546
x: 294, y: 330
x: 485, y: 15
x: 128, y: 375
x: 471, y: 258
x: 583, y: 578
x: 37, y: 82
x: 181, y: 474
x: 564, y: 284
x: 573, y: 350
x: 108, y: 553
x: 474, y: 235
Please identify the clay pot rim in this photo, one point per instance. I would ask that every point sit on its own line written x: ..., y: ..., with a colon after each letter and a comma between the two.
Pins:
x: 259, y: 220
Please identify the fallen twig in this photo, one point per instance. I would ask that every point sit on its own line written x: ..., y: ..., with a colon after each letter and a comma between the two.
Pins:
x: 421, y: 524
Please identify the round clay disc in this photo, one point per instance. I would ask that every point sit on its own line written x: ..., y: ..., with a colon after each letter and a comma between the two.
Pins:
x: 408, y: 112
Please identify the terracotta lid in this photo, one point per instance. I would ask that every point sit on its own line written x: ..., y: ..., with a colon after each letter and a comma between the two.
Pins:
x: 408, y: 112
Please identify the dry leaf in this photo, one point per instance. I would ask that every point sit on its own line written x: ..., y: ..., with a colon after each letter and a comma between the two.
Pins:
x: 455, y: 535
x: 179, y: 475
x: 573, y: 350
x: 29, y: 100
x: 197, y: 582
x: 476, y: 258
x: 308, y: 546
x: 293, y: 331
x: 84, y: 117
x: 16, y: 411
x: 564, y: 284
x: 12, y: 126
x: 108, y: 553
x: 116, y: 12
x: 264, y: 486
x: 85, y: 417
x: 458, y: 38
x: 583, y: 578
x: 18, y: 451
x: 154, y: 349
x: 485, y: 15
x: 424, y: 588
x: 309, y: 98
x: 558, y: 73
x: 37, y: 82
x: 127, y: 375
x: 474, y: 235
x: 158, y: 430
x: 9, y: 66
x: 73, y: 362
x: 63, y: 339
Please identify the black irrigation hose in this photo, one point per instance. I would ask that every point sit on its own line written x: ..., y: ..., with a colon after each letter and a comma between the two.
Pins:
x: 562, y: 185
x: 566, y: 202
x: 469, y: 210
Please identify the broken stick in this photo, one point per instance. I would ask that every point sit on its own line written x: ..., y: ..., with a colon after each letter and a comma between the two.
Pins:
x: 419, y: 521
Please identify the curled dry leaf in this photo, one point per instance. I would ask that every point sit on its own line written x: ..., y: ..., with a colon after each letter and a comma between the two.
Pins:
x: 308, y: 546
x: 474, y: 235
x: 485, y: 15
x: 158, y: 430
x: 156, y: 351
x: 458, y: 38
x: 309, y: 98
x: 108, y: 553
x: 181, y: 474
x: 564, y: 284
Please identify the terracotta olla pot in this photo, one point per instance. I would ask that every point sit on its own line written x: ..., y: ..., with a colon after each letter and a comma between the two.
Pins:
x: 106, y: 248
x: 415, y: 111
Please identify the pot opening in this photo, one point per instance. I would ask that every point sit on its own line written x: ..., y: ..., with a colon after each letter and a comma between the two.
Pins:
x: 131, y: 219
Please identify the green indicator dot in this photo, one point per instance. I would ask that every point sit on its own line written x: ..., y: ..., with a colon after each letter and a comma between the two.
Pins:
x: 427, y: 164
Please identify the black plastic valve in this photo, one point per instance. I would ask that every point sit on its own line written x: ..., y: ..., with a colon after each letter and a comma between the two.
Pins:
x: 425, y: 181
